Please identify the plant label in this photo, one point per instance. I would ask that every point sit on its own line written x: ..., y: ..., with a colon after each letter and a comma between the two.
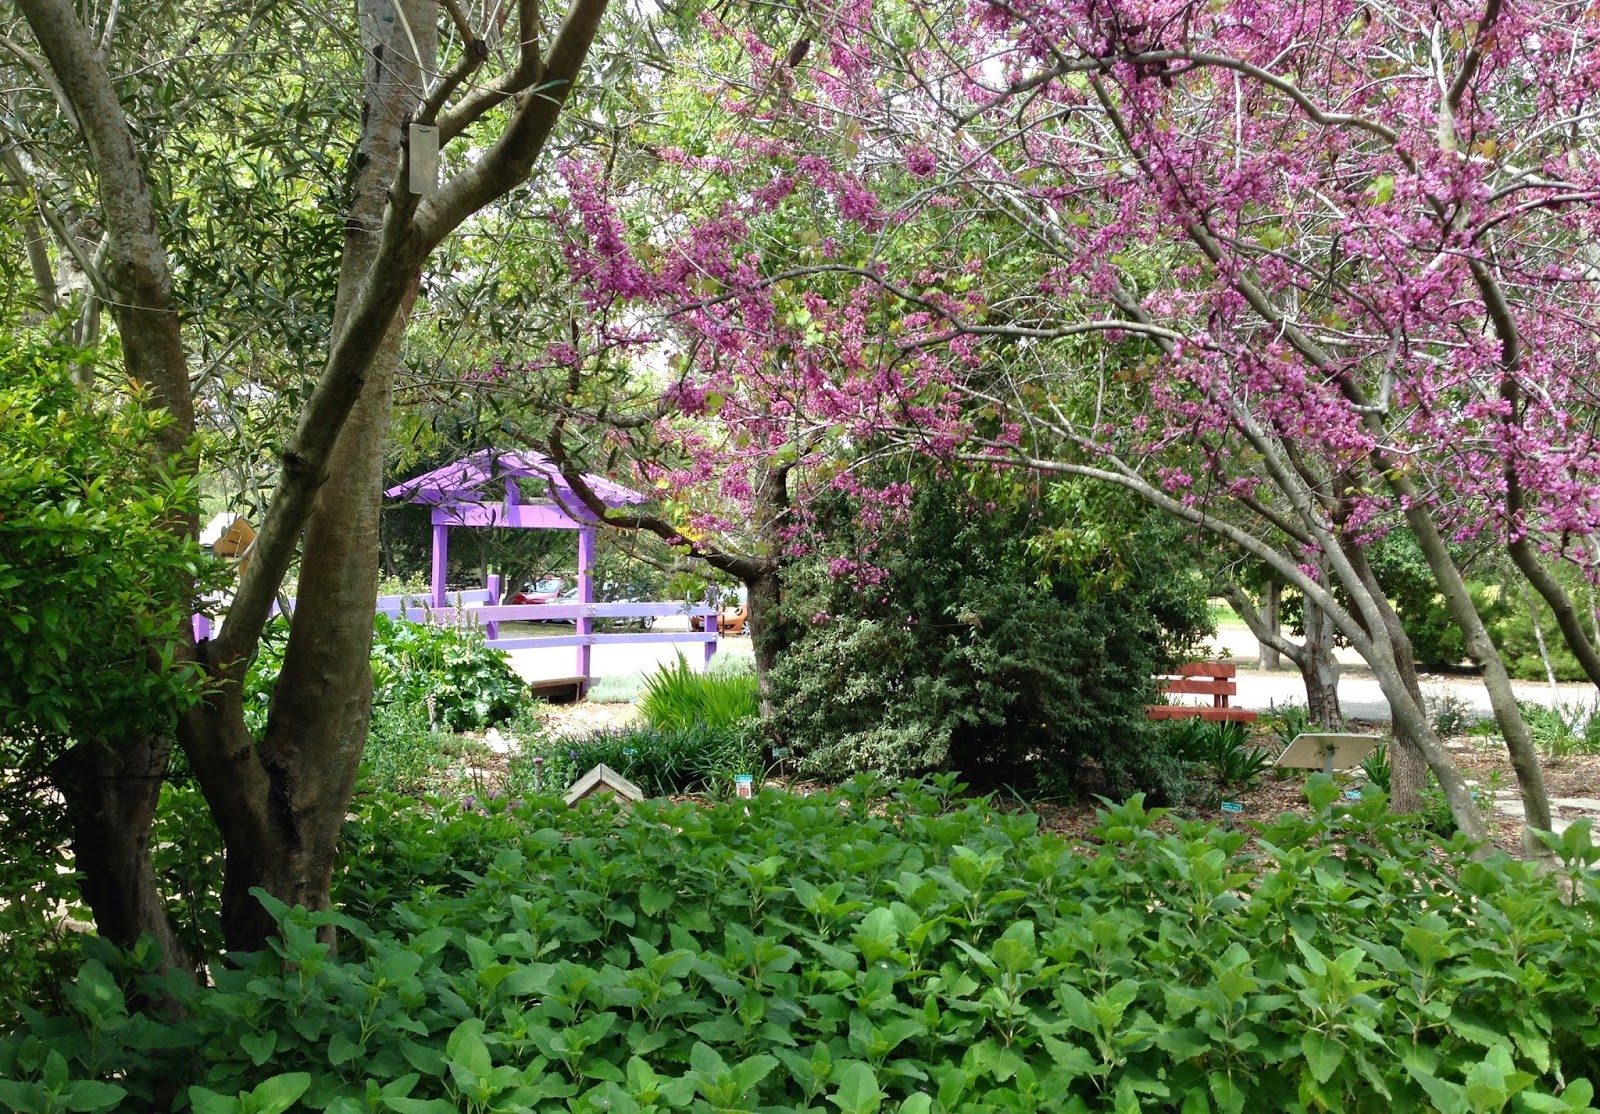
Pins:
x: 423, y: 168
x: 743, y: 786
x: 1232, y: 806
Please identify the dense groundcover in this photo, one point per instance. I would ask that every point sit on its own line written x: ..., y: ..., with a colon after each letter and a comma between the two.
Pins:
x: 870, y: 950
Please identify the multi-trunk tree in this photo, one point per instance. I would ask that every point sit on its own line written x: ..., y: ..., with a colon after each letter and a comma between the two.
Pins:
x: 492, y: 83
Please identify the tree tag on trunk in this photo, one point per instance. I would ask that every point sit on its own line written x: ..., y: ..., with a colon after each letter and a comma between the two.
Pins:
x: 423, y: 145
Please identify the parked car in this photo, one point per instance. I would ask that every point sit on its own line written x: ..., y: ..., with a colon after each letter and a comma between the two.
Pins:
x: 543, y: 590
x: 623, y: 593
x: 569, y: 595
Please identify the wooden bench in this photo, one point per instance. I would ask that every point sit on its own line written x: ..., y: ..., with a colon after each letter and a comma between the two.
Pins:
x: 1205, y: 678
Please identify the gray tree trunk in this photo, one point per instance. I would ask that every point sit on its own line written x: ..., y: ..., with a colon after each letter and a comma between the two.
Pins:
x: 1267, y: 655
x: 1519, y: 742
x: 1320, y: 670
x: 317, y: 726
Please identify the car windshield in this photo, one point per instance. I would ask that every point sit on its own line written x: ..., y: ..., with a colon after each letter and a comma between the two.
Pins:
x: 547, y: 584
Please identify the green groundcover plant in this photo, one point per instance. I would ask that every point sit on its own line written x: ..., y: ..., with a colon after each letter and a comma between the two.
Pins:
x: 462, y: 681
x: 866, y: 951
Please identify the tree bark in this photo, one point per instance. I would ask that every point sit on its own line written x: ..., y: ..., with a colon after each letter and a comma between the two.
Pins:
x: 1519, y: 742
x: 1267, y: 655
x: 766, y: 628
x: 1408, y: 770
x: 1321, y: 670
x: 111, y: 793
x: 317, y: 725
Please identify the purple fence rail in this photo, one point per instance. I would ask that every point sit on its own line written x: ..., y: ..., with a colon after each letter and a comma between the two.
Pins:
x: 479, y: 606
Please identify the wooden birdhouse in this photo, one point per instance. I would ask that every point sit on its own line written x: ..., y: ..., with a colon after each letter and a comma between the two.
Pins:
x: 230, y: 537
x: 603, y: 782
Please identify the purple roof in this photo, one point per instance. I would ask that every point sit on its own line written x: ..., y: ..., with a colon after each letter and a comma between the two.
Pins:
x: 464, y: 481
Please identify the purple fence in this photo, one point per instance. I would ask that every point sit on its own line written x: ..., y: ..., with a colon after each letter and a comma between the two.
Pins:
x: 480, y: 606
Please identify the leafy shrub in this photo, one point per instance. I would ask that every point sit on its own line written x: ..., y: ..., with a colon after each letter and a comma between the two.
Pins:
x: 1288, y: 722
x: 1449, y: 712
x: 403, y: 753
x: 864, y: 951
x: 967, y: 654
x: 449, y: 670
x: 41, y: 893
x: 661, y: 761
x: 677, y: 697
x: 464, y: 682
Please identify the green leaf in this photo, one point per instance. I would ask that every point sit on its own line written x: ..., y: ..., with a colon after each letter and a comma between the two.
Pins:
x: 209, y: 1102
x: 858, y: 1091
x: 259, y: 1046
x: 653, y: 900
x: 468, y: 1055
x: 91, y: 1095
x: 1323, y: 1054
x: 275, y: 1095
x: 25, y: 1098
x: 341, y: 1050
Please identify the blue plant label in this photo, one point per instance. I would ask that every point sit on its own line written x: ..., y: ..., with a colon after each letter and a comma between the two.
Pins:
x: 1353, y: 794
x: 1232, y: 806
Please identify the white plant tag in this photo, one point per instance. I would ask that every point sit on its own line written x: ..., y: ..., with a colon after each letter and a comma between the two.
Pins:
x: 424, y: 148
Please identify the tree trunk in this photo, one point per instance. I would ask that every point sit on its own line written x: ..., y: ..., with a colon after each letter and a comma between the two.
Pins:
x: 317, y: 726
x: 766, y: 629
x: 111, y: 794
x: 1538, y: 638
x: 1320, y: 670
x: 1267, y: 655
x: 1408, y: 769
x: 1519, y: 742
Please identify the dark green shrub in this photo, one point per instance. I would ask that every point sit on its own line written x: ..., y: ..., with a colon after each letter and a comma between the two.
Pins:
x: 863, y: 951
x: 957, y: 651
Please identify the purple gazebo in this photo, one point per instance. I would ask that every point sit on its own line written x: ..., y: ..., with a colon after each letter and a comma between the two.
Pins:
x: 461, y: 494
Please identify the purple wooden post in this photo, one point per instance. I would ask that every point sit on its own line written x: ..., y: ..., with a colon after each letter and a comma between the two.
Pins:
x: 713, y: 628
x: 202, y: 628
x: 441, y: 550
x: 492, y: 630
x: 586, y: 537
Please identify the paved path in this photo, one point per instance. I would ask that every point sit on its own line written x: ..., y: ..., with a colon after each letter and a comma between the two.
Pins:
x: 1359, y: 694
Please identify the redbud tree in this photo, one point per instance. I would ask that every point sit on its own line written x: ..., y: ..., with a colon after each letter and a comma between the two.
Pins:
x: 1293, y: 273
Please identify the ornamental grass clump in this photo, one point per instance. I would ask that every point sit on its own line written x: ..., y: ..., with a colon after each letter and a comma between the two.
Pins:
x: 676, y: 697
